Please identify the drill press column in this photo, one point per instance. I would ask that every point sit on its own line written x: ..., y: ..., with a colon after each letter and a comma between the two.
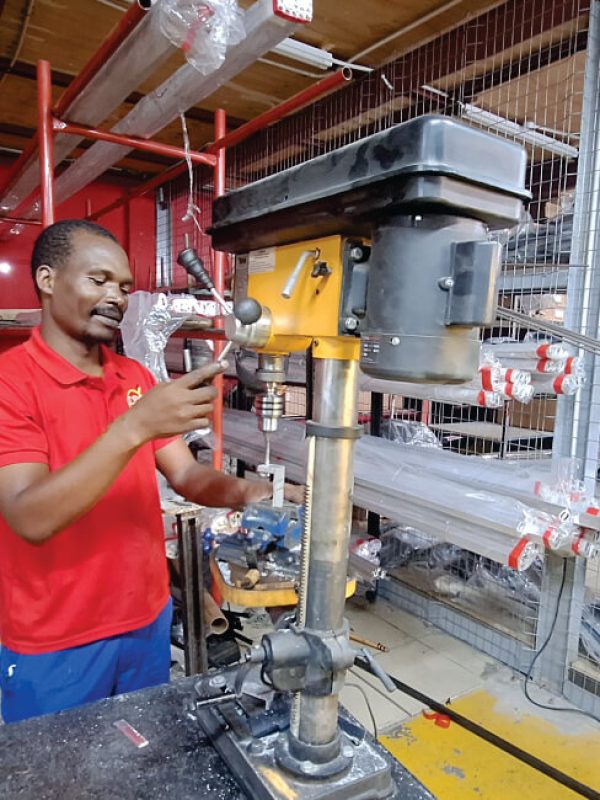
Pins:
x: 336, y: 389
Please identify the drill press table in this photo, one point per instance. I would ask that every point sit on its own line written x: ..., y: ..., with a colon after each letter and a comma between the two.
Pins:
x: 82, y: 755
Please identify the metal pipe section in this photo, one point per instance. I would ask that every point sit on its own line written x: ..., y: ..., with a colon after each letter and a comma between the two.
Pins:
x: 336, y: 392
x: 265, y: 28
x: 134, y: 142
x: 46, y: 133
x: 219, y: 261
x: 300, y: 99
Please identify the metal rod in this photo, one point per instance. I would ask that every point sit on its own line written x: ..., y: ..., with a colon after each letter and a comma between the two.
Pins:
x: 46, y: 133
x: 588, y: 343
x: 283, y: 109
x: 132, y: 141
x: 21, y: 221
x: 127, y: 23
x: 219, y: 261
x: 336, y: 394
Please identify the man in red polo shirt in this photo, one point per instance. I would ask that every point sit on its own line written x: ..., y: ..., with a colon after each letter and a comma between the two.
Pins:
x: 84, y: 595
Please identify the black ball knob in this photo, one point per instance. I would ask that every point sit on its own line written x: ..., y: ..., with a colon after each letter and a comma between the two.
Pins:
x: 248, y: 311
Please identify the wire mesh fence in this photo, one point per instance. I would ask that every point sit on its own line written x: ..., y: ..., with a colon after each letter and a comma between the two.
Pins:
x: 527, y: 72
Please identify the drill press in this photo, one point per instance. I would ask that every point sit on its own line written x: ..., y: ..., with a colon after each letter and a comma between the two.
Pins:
x: 376, y: 254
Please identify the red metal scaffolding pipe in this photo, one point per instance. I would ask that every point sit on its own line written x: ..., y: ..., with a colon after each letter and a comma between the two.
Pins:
x: 128, y: 22
x: 282, y: 110
x: 46, y: 141
x: 220, y: 260
x: 133, y: 141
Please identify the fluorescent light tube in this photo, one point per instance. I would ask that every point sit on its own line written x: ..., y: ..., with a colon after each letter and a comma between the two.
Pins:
x: 528, y: 134
x: 305, y: 53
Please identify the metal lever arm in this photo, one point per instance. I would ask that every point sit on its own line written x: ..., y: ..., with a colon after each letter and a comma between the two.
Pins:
x: 378, y: 671
x: 291, y: 282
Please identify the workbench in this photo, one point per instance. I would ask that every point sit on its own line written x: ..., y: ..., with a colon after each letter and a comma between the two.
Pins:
x: 81, y: 755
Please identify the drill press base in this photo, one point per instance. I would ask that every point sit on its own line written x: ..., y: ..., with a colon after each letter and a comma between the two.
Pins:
x: 253, y: 744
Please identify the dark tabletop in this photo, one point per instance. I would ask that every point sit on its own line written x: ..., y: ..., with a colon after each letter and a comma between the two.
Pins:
x: 81, y: 755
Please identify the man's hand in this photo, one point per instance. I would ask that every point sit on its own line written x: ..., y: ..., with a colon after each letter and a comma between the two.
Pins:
x: 293, y: 493
x: 256, y: 491
x: 176, y: 407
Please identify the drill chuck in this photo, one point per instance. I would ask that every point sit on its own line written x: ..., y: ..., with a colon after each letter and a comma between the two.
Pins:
x: 269, y: 409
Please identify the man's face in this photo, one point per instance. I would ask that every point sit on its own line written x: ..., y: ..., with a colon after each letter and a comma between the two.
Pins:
x: 88, y: 295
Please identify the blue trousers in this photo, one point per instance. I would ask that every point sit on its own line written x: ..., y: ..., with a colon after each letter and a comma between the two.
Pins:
x: 33, y: 685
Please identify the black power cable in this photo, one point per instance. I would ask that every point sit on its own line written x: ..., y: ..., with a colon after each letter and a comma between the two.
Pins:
x: 541, y: 650
x: 492, y: 738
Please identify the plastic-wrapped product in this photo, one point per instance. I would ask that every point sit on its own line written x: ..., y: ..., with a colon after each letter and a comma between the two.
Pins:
x: 401, y: 545
x: 559, y: 384
x: 505, y: 349
x: 204, y: 29
x: 545, y: 366
x: 148, y: 323
x: 492, y: 377
x: 521, y: 392
x: 575, y: 366
x: 564, y: 487
x: 411, y: 433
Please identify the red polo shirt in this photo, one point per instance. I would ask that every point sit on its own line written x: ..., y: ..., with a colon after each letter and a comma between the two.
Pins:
x: 106, y: 573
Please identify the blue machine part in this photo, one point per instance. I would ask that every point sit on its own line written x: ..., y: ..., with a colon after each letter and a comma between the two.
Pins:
x: 265, y: 526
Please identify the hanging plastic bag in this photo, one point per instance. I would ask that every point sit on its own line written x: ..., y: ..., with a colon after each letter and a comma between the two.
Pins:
x: 204, y: 29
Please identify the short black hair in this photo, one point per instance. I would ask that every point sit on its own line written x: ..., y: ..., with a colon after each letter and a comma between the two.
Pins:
x: 54, y: 245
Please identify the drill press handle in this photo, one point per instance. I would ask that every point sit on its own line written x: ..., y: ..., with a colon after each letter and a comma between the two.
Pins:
x: 248, y: 311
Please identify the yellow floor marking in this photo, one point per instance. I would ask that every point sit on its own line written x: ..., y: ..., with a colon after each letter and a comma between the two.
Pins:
x: 457, y: 765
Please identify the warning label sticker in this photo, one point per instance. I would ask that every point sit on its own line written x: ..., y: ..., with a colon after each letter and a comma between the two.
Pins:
x: 262, y: 260
x: 370, y: 349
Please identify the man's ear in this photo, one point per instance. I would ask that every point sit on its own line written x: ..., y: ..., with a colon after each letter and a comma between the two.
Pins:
x: 44, y: 279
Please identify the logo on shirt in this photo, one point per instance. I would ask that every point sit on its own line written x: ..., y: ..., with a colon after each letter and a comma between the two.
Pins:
x: 133, y: 395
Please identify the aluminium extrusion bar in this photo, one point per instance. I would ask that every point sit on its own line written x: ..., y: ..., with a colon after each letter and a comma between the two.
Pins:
x: 473, y: 536
x: 281, y: 110
x: 517, y: 480
x: 264, y: 29
x: 128, y: 22
x: 477, y: 539
x: 127, y: 58
x: 450, y: 497
x: 482, y: 521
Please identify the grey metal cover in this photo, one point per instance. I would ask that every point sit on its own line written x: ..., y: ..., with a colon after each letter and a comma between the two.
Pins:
x: 432, y: 163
